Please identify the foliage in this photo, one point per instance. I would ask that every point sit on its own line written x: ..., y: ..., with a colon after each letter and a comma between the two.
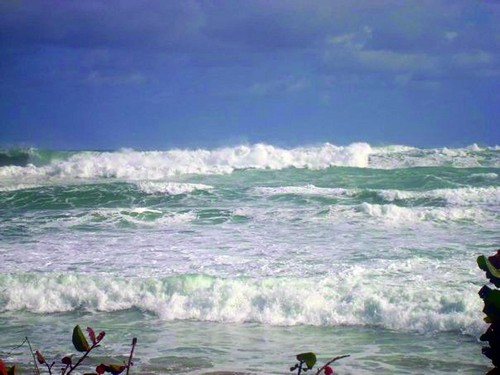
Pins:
x: 491, y: 299
x: 82, y: 345
x: 85, y: 345
x: 309, y: 359
x: 4, y: 370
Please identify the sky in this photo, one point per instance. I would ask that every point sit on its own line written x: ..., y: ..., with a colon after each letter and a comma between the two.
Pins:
x: 158, y: 74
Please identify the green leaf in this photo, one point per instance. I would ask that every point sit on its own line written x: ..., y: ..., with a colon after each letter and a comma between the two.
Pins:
x: 492, y: 304
x: 481, y: 262
x: 489, y: 265
x: 11, y: 370
x: 79, y: 340
x: 117, y: 369
x: 309, y: 358
x: 491, y: 268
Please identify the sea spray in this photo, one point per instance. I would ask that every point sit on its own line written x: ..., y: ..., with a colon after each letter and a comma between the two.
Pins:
x: 330, y: 301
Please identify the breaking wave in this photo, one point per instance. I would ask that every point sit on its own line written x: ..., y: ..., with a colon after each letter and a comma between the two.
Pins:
x: 452, y: 197
x: 170, y: 188
x: 405, y: 215
x: 345, y: 299
x: 157, y: 165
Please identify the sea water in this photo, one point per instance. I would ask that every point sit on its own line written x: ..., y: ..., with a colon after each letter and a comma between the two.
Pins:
x: 238, y: 258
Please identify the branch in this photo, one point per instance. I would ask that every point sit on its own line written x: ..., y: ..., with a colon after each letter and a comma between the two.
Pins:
x: 330, y: 362
x: 83, y: 357
x: 34, y: 359
x: 134, y: 342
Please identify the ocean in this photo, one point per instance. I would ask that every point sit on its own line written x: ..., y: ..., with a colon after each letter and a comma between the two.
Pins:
x: 238, y: 258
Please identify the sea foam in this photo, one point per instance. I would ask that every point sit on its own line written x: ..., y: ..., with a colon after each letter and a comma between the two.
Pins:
x: 406, y: 215
x: 163, y: 165
x: 345, y: 299
x: 170, y: 188
x: 457, y: 197
x: 301, y: 190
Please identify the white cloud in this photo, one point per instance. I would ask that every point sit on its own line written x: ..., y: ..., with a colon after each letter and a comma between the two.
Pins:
x: 450, y: 35
x: 98, y: 78
x: 353, y: 53
x: 287, y: 85
x: 395, y: 61
x: 474, y: 59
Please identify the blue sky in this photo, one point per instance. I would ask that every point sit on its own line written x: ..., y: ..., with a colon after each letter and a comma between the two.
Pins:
x: 160, y: 74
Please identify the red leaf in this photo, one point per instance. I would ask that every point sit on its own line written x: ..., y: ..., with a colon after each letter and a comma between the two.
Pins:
x: 328, y: 370
x: 100, y: 336
x: 40, y: 358
x: 495, y: 260
x: 91, y: 335
x: 3, y: 370
x: 66, y: 361
x: 113, y: 369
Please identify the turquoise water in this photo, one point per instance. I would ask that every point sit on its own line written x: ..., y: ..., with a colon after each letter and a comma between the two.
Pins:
x: 238, y: 258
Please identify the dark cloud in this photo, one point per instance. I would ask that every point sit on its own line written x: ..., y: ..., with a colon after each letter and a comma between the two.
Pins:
x: 120, y: 41
x: 100, y: 24
x: 267, y: 25
x: 193, y: 26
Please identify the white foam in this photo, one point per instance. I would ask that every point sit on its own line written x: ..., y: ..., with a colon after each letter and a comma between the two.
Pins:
x: 157, y: 165
x: 11, y: 171
x: 15, y: 187
x: 457, y: 197
x: 300, y: 190
x: 170, y: 188
x: 408, y: 215
x: 485, y: 176
x: 466, y: 196
x: 343, y: 299
x: 162, y: 165
x: 391, y: 157
x: 142, y: 216
x: 393, y: 149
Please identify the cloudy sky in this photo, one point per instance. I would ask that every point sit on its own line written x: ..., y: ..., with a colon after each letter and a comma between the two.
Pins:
x: 152, y: 74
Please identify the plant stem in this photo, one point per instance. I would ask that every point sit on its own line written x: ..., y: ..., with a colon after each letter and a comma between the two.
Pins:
x: 49, y: 367
x: 81, y: 359
x: 63, y: 371
x: 134, y: 342
x: 331, y: 361
x: 33, y: 355
x: 300, y: 367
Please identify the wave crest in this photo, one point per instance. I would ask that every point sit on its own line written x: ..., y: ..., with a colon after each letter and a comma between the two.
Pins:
x: 157, y: 165
x: 341, y: 300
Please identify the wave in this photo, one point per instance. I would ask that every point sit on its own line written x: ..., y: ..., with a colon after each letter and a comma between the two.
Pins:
x: 302, y: 190
x: 170, y: 188
x: 391, y: 157
x: 21, y: 186
x: 406, y: 215
x: 138, y: 216
x: 344, y: 299
x: 15, y: 157
x: 158, y: 165
x: 484, y: 176
x: 454, y: 197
